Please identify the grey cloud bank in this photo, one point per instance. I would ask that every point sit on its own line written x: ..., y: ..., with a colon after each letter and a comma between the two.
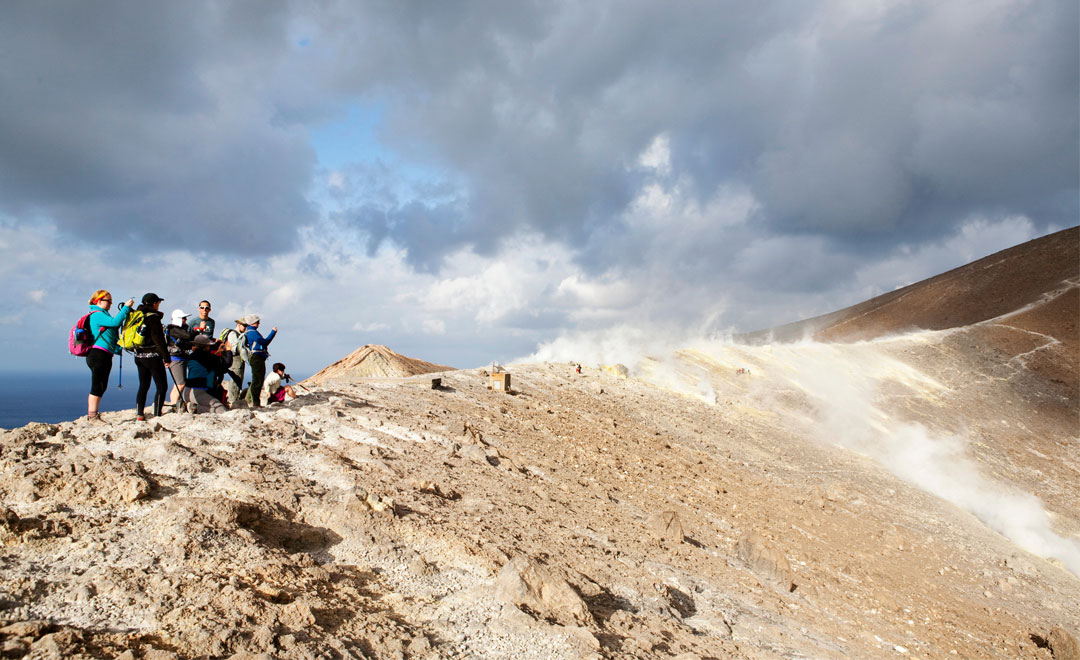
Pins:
x: 731, y: 165
x: 150, y: 126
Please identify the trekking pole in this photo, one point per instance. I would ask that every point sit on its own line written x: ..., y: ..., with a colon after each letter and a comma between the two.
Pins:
x: 119, y: 336
x: 289, y: 379
x: 179, y: 391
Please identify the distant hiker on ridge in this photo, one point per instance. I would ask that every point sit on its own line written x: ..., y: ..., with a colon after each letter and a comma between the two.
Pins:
x: 106, y: 333
x: 257, y: 345
x: 152, y: 358
x: 205, y: 324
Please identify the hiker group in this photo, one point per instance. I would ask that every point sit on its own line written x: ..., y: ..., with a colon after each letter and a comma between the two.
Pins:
x: 207, y: 371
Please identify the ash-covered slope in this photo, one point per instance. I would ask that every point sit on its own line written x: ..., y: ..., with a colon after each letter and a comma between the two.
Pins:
x: 374, y: 361
x: 378, y: 520
x: 999, y: 284
x: 583, y: 516
x: 1016, y: 313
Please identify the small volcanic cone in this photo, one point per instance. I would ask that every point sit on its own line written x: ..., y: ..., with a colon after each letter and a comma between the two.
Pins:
x: 374, y: 361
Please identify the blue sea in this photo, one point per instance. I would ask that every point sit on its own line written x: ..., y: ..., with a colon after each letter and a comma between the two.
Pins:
x: 61, y: 396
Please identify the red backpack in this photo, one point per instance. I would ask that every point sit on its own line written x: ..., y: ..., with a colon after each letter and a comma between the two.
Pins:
x: 80, y: 339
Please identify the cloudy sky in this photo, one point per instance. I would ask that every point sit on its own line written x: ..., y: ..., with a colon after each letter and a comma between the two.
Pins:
x: 468, y: 181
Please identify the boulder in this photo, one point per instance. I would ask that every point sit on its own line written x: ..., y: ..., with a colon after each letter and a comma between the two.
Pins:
x: 474, y: 453
x: 766, y: 561
x: 667, y: 526
x: 1063, y: 645
x: 525, y: 583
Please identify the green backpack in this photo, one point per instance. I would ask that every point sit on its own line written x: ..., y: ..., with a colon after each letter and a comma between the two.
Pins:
x: 132, y: 333
x: 239, y: 345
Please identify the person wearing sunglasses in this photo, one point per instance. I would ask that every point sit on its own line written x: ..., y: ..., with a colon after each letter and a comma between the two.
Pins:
x: 204, y: 325
x: 106, y: 332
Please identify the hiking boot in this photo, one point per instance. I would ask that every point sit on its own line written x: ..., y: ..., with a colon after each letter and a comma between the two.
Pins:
x: 140, y: 418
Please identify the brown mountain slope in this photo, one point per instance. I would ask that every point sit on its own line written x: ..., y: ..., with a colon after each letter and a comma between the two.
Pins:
x: 1002, y: 283
x: 374, y: 361
x: 1020, y: 306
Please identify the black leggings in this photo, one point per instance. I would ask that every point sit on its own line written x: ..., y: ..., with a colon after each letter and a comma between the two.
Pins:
x: 151, y: 368
x: 100, y: 363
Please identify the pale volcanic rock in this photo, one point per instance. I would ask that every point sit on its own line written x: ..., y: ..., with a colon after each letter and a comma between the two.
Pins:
x: 373, y: 518
x: 766, y: 560
x: 1063, y: 645
x: 667, y: 526
x: 525, y: 583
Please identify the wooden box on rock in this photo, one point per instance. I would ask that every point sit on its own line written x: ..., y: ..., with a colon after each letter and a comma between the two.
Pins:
x: 500, y: 382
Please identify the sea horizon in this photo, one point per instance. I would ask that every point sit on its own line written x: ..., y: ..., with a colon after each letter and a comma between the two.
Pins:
x: 60, y: 396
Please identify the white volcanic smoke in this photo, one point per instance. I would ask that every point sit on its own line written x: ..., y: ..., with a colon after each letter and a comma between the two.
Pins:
x: 844, y: 382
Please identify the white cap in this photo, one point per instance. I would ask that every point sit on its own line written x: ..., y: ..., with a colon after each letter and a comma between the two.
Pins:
x: 178, y: 316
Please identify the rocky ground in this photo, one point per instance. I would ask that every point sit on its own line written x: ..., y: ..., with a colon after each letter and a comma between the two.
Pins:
x: 914, y: 496
x: 582, y: 515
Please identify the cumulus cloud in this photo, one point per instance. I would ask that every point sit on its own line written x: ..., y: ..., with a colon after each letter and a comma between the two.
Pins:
x: 530, y: 167
x: 434, y: 326
x: 360, y: 326
x: 144, y: 122
x: 850, y: 123
x: 36, y: 296
x: 152, y: 126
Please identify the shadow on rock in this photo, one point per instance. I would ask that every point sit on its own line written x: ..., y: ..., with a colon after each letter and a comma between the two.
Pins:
x: 604, y: 604
x: 292, y: 536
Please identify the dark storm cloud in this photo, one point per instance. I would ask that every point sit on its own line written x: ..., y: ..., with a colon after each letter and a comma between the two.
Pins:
x: 151, y: 124
x: 858, y: 124
x: 861, y: 123
x: 425, y: 230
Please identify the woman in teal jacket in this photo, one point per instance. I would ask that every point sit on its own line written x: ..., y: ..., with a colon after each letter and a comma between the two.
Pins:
x: 106, y: 332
